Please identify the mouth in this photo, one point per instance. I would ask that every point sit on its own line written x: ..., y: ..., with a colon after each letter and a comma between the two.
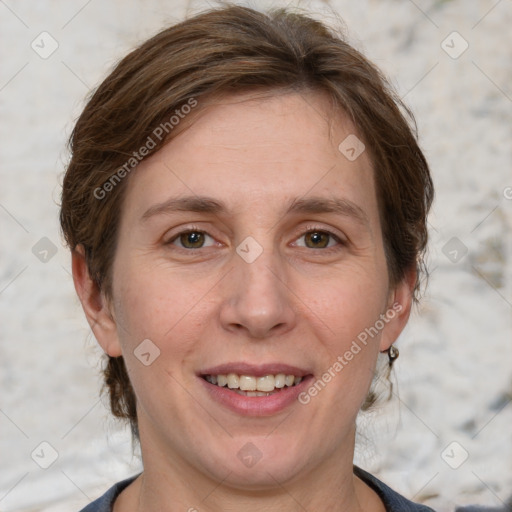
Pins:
x: 255, y: 390
x: 252, y: 385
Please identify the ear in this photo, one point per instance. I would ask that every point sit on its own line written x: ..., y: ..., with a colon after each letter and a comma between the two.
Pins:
x: 94, y: 304
x: 398, y: 309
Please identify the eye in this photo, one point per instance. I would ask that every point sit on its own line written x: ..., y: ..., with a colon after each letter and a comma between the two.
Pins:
x: 318, y: 239
x: 191, y: 239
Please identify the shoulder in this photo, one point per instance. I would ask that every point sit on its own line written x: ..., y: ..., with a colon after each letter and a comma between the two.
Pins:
x: 393, y: 501
x: 104, y: 503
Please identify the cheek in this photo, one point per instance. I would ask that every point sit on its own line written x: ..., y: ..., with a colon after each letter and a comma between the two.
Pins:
x: 348, y: 300
x: 342, y: 319
x: 174, y: 316
x: 165, y: 307
x: 172, y: 312
x: 344, y: 312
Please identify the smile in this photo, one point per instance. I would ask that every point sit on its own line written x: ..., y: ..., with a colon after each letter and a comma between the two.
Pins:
x: 250, y: 385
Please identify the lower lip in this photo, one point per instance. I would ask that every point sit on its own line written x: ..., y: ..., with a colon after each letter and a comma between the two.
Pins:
x: 256, y: 405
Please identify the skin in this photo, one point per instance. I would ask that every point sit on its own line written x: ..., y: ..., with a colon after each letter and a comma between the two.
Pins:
x: 294, y: 304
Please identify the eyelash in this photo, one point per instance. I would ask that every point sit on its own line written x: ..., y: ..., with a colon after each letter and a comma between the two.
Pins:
x: 190, y: 229
x: 312, y: 229
x: 308, y: 229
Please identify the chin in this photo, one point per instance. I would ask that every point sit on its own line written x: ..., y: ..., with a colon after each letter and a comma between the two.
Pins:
x: 258, y: 463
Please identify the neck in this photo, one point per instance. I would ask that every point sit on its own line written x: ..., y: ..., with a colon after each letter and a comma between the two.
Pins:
x: 169, y: 484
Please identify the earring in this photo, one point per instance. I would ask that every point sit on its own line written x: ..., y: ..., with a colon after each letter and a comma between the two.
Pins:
x: 393, y: 354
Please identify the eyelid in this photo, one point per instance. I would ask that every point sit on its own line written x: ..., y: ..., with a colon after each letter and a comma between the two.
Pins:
x: 342, y: 238
x: 188, y: 229
x: 341, y: 241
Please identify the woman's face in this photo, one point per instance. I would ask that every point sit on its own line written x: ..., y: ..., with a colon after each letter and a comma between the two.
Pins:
x: 251, y: 245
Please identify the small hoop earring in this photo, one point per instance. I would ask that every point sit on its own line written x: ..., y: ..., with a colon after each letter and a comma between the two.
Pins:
x: 393, y: 354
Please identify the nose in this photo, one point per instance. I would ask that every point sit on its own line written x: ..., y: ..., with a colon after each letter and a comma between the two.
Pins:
x: 257, y: 301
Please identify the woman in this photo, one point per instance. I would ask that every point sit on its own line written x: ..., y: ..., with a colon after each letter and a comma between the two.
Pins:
x: 246, y: 209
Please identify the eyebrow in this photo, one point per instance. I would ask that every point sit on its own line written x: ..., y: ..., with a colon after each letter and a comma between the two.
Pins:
x: 339, y: 206
x: 204, y: 204
x: 200, y: 204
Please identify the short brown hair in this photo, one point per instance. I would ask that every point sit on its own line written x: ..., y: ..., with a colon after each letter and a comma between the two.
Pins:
x: 225, y: 51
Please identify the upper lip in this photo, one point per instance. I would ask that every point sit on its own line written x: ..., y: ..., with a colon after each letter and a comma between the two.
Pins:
x: 256, y: 370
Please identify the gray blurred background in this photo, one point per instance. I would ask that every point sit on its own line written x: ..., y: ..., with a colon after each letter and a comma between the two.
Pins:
x: 445, y: 439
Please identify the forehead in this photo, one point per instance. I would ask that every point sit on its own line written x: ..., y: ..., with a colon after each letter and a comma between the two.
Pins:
x: 256, y: 149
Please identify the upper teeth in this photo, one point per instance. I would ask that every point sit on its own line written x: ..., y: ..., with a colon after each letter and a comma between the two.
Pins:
x: 251, y: 383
